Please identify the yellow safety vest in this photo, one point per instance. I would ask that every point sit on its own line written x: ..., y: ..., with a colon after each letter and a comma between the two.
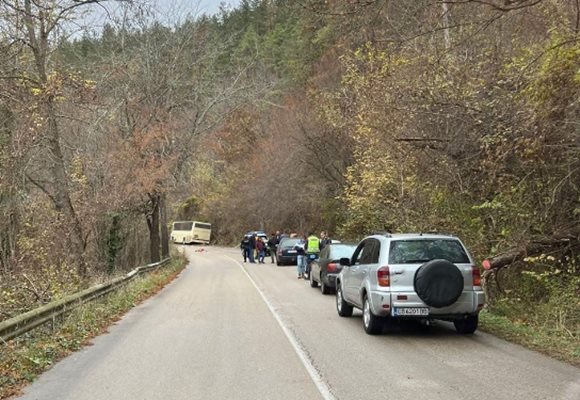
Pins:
x: 313, y: 245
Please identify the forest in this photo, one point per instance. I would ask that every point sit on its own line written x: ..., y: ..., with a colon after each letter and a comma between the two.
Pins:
x: 455, y: 116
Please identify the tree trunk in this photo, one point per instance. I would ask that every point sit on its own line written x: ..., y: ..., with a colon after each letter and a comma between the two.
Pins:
x: 61, y: 196
x: 38, y: 30
x: 153, y: 225
x: 530, y: 249
x: 163, y: 226
x: 446, y: 36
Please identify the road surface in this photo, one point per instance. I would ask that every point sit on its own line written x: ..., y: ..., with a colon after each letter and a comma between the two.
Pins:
x: 229, y: 330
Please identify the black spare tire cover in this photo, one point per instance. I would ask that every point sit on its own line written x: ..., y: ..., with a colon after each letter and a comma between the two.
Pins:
x: 438, y: 283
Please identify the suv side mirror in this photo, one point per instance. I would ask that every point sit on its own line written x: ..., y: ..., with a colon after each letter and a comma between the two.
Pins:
x: 345, y: 262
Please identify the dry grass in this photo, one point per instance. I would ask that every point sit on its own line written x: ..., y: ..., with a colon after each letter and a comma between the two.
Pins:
x: 23, y: 359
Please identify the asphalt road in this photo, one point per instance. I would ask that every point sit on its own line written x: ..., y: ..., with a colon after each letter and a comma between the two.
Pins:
x: 226, y: 330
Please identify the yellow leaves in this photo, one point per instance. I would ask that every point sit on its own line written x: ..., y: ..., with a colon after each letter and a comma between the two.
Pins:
x: 548, y: 74
x: 89, y: 84
x: 540, y: 258
x: 60, y: 86
x: 76, y: 172
x: 374, y: 185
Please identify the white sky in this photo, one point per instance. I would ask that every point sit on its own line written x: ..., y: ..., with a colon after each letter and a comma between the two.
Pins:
x: 195, y: 7
x: 211, y: 6
x: 167, y: 12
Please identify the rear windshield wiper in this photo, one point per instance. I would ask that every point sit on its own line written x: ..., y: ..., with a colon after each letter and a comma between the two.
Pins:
x: 416, y: 261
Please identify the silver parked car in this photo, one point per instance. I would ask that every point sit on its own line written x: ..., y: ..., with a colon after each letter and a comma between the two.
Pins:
x: 411, y: 276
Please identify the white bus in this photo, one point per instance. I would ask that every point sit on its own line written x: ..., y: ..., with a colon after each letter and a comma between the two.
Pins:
x: 191, y: 232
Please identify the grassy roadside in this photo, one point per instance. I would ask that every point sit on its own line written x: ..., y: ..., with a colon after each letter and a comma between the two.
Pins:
x: 558, y: 344
x: 23, y: 359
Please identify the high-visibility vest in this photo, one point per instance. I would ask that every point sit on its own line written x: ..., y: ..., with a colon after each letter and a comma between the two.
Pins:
x: 313, y: 245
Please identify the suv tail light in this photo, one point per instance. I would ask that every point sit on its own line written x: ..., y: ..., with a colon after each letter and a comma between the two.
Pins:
x: 476, y: 275
x: 331, y: 267
x: 383, y: 276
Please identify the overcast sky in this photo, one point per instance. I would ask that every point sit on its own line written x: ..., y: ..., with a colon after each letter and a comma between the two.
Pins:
x: 211, y: 6
x: 166, y: 11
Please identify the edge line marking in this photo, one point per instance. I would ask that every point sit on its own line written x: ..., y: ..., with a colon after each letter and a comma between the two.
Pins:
x: 314, y: 374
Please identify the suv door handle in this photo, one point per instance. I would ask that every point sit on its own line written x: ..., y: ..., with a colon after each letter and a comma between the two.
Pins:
x: 398, y: 271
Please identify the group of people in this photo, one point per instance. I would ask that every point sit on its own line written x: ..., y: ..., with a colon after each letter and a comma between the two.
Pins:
x: 307, y: 248
x: 255, y: 247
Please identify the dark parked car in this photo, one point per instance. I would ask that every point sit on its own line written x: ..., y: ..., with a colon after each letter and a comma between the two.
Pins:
x: 326, y: 268
x: 286, y: 255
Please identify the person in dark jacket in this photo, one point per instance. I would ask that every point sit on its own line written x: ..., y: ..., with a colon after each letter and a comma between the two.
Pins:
x: 252, y: 248
x: 245, y: 246
x: 273, y: 246
x: 324, y: 239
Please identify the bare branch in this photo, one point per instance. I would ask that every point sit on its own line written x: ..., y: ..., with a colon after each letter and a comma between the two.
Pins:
x: 508, y: 5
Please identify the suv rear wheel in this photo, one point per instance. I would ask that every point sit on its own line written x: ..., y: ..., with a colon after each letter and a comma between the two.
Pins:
x: 467, y: 325
x: 344, y: 309
x: 371, y: 322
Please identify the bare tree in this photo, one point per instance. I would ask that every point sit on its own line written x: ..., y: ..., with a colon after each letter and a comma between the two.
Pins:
x: 38, y: 25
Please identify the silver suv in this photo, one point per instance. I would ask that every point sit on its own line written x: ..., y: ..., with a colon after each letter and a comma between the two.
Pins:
x: 411, y: 276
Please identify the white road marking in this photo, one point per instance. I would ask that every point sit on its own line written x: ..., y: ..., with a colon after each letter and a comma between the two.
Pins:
x: 316, y: 378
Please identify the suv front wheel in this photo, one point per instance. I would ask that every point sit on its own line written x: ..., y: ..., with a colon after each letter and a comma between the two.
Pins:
x: 467, y: 325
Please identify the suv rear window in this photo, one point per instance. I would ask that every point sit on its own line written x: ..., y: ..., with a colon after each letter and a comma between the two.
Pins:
x: 422, y: 250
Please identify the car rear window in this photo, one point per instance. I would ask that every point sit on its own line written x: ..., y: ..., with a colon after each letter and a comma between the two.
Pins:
x: 288, y: 243
x: 341, y: 251
x: 422, y: 250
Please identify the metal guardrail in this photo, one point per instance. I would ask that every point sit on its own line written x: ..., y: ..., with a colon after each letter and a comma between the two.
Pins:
x: 23, y: 323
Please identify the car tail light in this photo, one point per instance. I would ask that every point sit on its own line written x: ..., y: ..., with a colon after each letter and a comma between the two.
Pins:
x: 383, y: 276
x: 476, y: 275
x: 331, y: 267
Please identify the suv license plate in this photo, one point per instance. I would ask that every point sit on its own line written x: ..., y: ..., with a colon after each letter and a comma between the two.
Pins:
x: 410, y: 311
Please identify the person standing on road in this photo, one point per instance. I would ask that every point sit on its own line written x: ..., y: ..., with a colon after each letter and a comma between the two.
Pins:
x: 260, y: 249
x: 324, y: 240
x: 312, y: 249
x: 245, y: 246
x: 273, y: 245
x: 252, y: 248
x: 301, y: 256
x: 279, y: 235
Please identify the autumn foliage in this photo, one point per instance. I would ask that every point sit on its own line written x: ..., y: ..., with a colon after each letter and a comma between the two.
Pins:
x: 352, y: 117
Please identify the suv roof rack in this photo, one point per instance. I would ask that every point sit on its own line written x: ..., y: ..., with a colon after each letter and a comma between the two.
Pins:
x: 436, y: 233
x: 383, y: 233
